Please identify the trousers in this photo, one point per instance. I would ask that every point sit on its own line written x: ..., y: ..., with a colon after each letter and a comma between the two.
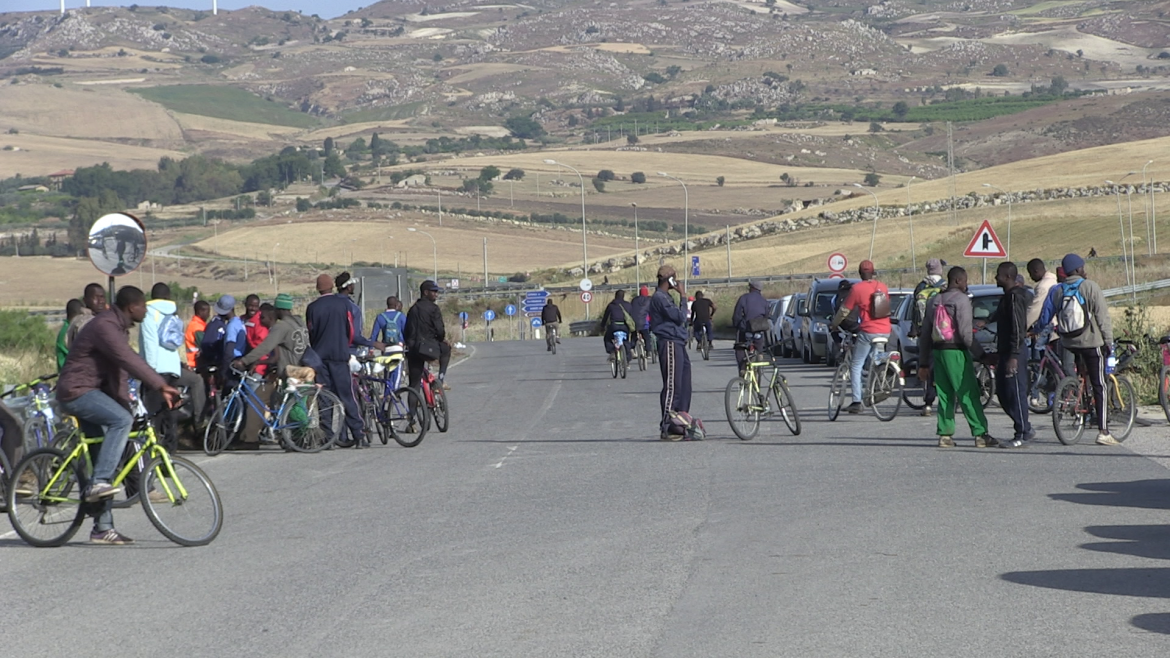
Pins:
x: 1012, y: 390
x: 675, y: 365
x: 955, y: 384
x: 336, y: 377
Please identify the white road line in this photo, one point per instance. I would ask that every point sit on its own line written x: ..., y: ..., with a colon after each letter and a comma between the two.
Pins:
x: 536, y: 418
x: 510, y: 451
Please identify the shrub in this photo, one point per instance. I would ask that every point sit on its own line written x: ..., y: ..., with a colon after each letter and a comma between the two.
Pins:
x: 872, y: 179
x: 638, y: 177
x: 599, y: 185
x: 720, y: 181
x: 605, y: 175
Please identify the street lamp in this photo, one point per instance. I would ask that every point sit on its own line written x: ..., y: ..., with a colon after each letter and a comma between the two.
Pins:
x: 1151, y: 234
x: 434, y: 249
x: 1009, y: 202
x: 440, y: 191
x: 910, y: 215
x: 637, y: 253
x: 877, y: 213
x: 584, y: 243
x: 686, y: 225
x: 275, y: 276
x: 1121, y: 223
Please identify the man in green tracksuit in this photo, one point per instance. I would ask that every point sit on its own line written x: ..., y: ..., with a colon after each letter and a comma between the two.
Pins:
x: 946, y: 348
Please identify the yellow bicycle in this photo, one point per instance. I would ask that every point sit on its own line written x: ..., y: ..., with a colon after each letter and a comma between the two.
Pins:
x: 747, y: 402
x: 45, y: 502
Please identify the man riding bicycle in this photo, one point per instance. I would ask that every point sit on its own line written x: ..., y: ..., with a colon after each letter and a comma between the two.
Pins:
x: 873, y: 299
x: 618, y: 316
x: 702, y: 310
x: 94, y: 387
x: 641, y: 313
x: 750, y: 308
x: 550, y: 318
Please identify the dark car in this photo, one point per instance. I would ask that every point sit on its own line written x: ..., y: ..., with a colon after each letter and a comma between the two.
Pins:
x: 788, y: 328
x: 818, y: 313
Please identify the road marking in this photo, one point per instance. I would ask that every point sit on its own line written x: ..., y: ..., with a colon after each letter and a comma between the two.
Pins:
x: 510, y: 451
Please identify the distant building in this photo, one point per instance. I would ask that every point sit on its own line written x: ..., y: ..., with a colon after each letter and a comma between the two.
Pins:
x: 58, y: 178
x: 32, y: 188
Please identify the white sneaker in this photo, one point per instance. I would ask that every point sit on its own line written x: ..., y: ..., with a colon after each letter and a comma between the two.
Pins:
x: 1106, y: 439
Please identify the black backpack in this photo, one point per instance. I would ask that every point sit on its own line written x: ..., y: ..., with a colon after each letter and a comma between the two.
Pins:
x: 211, y: 348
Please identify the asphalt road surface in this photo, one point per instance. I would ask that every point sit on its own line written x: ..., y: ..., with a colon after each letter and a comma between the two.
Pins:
x: 551, y: 521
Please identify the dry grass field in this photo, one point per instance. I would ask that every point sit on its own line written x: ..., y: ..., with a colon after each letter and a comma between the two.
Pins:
x: 229, y: 128
x: 90, y: 113
x: 40, y: 155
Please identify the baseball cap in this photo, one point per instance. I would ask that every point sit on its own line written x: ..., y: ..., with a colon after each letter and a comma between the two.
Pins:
x: 284, y: 302
x: 755, y: 284
x: 1072, y: 263
x: 429, y: 285
x: 644, y: 291
x: 324, y: 283
x: 344, y: 280
x: 225, y: 305
x: 934, y: 266
x: 866, y: 267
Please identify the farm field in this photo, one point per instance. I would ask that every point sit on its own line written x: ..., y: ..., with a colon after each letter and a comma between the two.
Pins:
x: 90, y: 113
x: 40, y: 155
x: 225, y: 103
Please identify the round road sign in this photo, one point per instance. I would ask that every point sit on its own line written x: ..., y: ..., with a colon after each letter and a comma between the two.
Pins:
x: 586, y: 285
x: 489, y: 315
x: 836, y: 275
x: 536, y: 323
x: 510, y: 309
x: 586, y: 296
x: 838, y: 262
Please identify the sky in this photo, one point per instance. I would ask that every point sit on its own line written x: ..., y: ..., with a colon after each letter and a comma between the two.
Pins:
x: 323, y: 8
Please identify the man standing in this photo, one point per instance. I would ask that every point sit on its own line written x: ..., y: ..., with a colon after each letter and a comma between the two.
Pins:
x: 618, y: 316
x: 72, y: 309
x: 945, y: 350
x: 1082, y: 320
x: 928, y: 287
x: 390, y: 325
x: 550, y: 319
x: 159, y: 339
x: 93, y: 387
x: 193, y: 335
x: 874, y: 323
x: 750, y: 307
x: 1011, y: 375
x: 668, y: 321
x: 702, y: 310
x: 94, y: 300
x: 253, y: 329
x: 1044, y: 281
x: 331, y: 331
x: 287, y: 339
x: 426, y: 336
x: 345, y: 288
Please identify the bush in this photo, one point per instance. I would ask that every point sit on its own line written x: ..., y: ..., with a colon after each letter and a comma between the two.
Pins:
x: 605, y: 175
x: 720, y: 181
x: 599, y: 185
x: 872, y: 179
x: 303, y: 204
x: 514, y: 174
x: 210, y: 59
x: 638, y: 177
x: 29, y: 345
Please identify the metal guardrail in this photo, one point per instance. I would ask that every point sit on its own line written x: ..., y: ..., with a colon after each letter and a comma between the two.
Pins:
x: 1141, y: 287
x: 583, y: 328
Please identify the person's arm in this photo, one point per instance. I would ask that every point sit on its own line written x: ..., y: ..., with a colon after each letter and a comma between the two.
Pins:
x: 1048, y: 310
x: 559, y: 320
x: 739, y: 314
x: 355, y: 331
x: 275, y: 337
x: 379, y: 326
x: 965, y: 328
x: 115, y: 347
x: 1019, y: 322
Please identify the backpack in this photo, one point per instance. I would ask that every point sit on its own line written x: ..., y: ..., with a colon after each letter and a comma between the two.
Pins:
x: 170, y: 332
x: 920, y: 300
x: 211, y: 347
x: 1073, y: 317
x: 681, y: 423
x: 390, y: 333
x: 879, y: 304
x: 944, y: 325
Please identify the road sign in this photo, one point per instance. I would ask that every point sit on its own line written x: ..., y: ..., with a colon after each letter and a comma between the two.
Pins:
x: 489, y: 315
x: 536, y: 323
x: 510, y: 309
x: 586, y: 296
x: 838, y: 262
x: 454, y: 285
x: 463, y: 315
x: 836, y: 275
x: 532, y: 314
x: 586, y: 285
x: 694, y: 266
x: 536, y: 294
x: 502, y: 279
x: 985, y: 244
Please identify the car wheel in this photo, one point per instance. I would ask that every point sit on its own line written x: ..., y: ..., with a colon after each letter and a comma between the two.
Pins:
x: 804, y: 355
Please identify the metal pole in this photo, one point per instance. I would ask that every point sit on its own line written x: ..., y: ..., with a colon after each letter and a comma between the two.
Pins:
x: 1121, y: 223
x: 275, y: 276
x: 686, y: 226
x: 728, y: 253
x: 637, y: 251
x: 584, y: 242
x: 1132, y: 243
x: 485, y: 272
x: 440, y: 206
x: 910, y: 215
x: 877, y: 213
x: 1149, y: 232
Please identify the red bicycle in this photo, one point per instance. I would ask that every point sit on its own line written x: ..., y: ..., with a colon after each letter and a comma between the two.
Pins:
x: 436, y: 399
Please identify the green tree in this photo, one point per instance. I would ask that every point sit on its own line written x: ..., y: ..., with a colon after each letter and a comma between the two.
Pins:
x: 303, y: 204
x: 875, y: 127
x: 599, y: 185
x: 901, y: 109
x: 524, y: 128
x: 514, y: 174
x: 356, y: 149
x: 264, y: 198
x: 720, y: 181
x: 1000, y: 71
x: 638, y: 177
x: 376, y: 145
x: 328, y: 146
x: 333, y: 167
x: 631, y: 139
x: 86, y: 212
x: 872, y: 179
x: 1059, y: 85
x: 605, y: 175
x: 489, y: 173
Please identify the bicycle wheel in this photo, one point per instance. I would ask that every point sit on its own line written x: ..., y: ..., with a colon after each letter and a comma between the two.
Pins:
x: 613, y: 365
x: 37, y: 434
x: 786, y: 406
x: 914, y: 394
x: 407, y: 427
x: 885, y: 390
x: 1122, y: 409
x: 623, y: 365
x: 439, y: 411
x: 192, y: 515
x: 640, y: 355
x: 1044, y: 381
x: 313, y: 422
x: 837, y: 390
x: 552, y: 342
x: 705, y: 348
x: 5, y: 472
x: 370, y: 419
x: 1068, y: 412
x: 741, y: 414
x: 224, y: 425
x: 986, y: 384
x: 44, y: 499
x: 1164, y: 391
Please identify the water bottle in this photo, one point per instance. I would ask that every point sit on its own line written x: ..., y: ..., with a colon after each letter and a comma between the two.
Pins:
x: 1110, y: 364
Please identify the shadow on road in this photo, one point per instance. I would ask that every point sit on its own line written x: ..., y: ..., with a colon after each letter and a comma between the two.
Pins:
x: 1145, y: 494
x: 1148, y: 582
x: 1154, y: 622
x: 1148, y: 541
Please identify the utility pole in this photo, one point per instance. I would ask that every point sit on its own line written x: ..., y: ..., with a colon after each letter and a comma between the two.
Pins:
x: 729, y: 253
x: 485, y: 273
x: 951, y: 170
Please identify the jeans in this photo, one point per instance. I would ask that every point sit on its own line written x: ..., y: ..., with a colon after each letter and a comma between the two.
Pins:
x: 704, y: 327
x: 861, y: 349
x: 101, y: 415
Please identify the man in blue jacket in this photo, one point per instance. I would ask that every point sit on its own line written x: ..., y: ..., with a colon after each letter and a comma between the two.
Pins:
x: 668, y: 321
x: 167, y: 362
x: 748, y: 307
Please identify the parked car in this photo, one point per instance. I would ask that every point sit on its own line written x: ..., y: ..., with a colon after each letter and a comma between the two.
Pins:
x: 818, y: 313
x: 775, y: 312
x: 984, y: 303
x: 788, y: 329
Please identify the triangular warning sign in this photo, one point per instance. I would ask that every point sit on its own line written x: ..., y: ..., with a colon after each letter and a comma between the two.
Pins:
x: 985, y: 244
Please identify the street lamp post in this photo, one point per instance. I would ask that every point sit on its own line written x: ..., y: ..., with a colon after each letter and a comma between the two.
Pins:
x: 910, y: 215
x: 584, y: 242
x: 637, y: 252
x: 434, y: 249
x: 1121, y: 223
x: 440, y: 191
x: 275, y: 276
x: 1009, y: 226
x: 877, y: 210
x: 1149, y: 215
x: 686, y: 225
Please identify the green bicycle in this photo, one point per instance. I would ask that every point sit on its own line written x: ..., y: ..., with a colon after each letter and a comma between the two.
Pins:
x: 747, y: 402
x: 46, y: 508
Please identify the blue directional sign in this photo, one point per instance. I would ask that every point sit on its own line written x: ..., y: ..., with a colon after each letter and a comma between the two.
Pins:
x: 694, y: 266
x: 534, y: 300
x: 536, y: 323
x: 510, y: 310
x: 463, y: 315
x: 489, y: 315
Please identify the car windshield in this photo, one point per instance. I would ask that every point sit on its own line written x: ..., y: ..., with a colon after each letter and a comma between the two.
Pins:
x: 982, y: 308
x: 824, y: 306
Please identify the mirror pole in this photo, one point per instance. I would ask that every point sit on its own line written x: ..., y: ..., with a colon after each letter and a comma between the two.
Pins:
x: 110, y: 294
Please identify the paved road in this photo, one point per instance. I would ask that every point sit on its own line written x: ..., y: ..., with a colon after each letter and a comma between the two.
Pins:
x: 551, y: 522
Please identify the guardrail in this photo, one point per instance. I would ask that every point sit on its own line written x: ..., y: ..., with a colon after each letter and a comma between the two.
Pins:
x: 583, y: 328
x: 1141, y: 287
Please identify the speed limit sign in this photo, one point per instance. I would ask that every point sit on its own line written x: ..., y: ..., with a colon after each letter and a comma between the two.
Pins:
x: 586, y: 296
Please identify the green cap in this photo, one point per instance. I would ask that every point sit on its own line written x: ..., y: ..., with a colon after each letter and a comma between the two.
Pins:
x: 284, y: 302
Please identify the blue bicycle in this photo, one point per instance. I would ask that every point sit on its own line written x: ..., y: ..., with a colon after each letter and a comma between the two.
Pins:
x: 619, y: 365
x: 308, y: 419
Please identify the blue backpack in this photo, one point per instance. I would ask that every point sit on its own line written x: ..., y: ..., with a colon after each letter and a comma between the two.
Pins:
x: 170, y: 332
x: 391, y: 333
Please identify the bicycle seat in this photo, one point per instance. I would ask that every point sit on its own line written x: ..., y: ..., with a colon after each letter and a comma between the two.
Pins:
x: 879, y: 341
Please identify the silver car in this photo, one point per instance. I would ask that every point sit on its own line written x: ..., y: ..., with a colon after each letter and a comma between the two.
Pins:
x: 788, y: 329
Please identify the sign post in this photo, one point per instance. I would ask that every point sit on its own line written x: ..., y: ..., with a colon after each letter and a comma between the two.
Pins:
x: 586, y: 296
x: 985, y: 244
x: 489, y: 315
x: 535, y: 322
x: 463, y: 316
x: 509, y: 311
x: 117, y: 245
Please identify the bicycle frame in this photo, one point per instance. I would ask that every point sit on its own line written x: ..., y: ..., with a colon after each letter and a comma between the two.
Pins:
x: 268, y: 415
x: 148, y: 450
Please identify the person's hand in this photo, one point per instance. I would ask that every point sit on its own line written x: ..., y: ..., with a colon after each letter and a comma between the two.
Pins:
x: 171, y: 394
x: 238, y: 364
x: 923, y: 373
x: 1106, y: 350
x: 681, y: 290
x: 1012, y: 365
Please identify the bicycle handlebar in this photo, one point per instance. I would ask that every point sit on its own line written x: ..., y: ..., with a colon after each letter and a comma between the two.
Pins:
x: 24, y: 387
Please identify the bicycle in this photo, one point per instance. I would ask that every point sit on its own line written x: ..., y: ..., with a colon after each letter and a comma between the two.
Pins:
x: 747, y: 402
x: 704, y: 342
x: 618, y: 364
x: 48, y: 497
x: 389, y: 409
x: 1164, y: 377
x: 42, y: 424
x: 882, y: 382
x: 308, y: 419
x: 639, y: 351
x: 1073, y: 408
x: 436, y: 400
x: 1045, y: 374
x: 550, y: 338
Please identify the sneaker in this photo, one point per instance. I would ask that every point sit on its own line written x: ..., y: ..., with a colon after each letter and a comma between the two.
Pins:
x: 1106, y: 439
x: 446, y: 386
x: 100, y: 490
x: 696, y: 432
x: 946, y: 442
x: 1014, y: 443
x: 854, y: 408
x: 985, y: 441
x: 926, y: 410
x: 159, y: 496
x: 109, y: 537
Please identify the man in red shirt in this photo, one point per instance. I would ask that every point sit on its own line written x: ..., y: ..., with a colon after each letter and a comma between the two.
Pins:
x: 862, y: 297
x: 256, y: 332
